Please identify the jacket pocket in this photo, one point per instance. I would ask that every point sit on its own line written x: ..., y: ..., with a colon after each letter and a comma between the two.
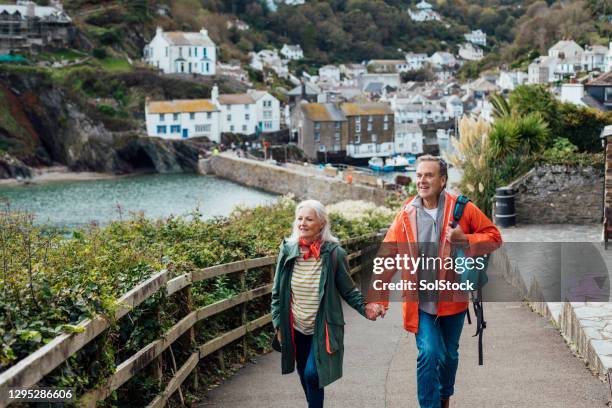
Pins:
x: 334, y: 337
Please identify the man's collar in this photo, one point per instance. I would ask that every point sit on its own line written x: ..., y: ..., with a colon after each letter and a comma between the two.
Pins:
x: 418, y: 201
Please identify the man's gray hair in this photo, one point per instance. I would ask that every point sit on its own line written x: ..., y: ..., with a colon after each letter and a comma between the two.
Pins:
x: 439, y: 160
x: 322, y: 216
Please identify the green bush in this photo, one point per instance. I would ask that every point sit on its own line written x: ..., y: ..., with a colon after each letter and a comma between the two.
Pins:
x: 99, y: 53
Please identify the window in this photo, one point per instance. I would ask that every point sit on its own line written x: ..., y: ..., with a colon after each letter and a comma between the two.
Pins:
x: 414, y: 147
x: 189, y: 51
x: 175, y: 116
x: 317, y: 136
x: 162, y: 117
x: 202, y: 128
x: 369, y: 126
x: 195, y: 51
x: 267, y: 114
x: 386, y: 118
x: 374, y: 138
x: 246, y: 116
x: 246, y: 107
x: 337, y: 125
x: 357, y: 139
x: 336, y: 148
x: 401, y: 145
x: 166, y: 51
x: 268, y: 125
x: 370, y: 118
x: 317, y: 125
x: 231, y: 128
x: 357, y: 127
x: 208, y: 115
x: 337, y: 136
x: 385, y: 126
x: 192, y: 116
x: 175, y: 129
x: 180, y: 51
x: 204, y: 55
x: 229, y: 117
x: 608, y: 94
x: 161, y: 130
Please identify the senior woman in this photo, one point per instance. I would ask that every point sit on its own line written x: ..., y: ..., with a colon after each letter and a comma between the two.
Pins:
x: 311, y: 278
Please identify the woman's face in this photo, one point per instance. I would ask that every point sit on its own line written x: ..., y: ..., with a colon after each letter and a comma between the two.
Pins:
x: 308, y: 224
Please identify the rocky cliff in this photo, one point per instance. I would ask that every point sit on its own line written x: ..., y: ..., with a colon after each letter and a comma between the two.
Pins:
x: 43, y: 123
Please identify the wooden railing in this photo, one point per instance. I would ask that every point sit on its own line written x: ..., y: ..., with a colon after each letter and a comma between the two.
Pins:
x: 33, y: 368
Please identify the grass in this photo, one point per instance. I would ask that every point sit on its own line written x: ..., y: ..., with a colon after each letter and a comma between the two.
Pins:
x: 61, y: 55
x: 115, y: 64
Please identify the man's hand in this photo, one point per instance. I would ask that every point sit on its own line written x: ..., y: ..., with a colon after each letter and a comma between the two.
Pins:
x: 456, y: 235
x: 373, y: 310
x: 278, y: 336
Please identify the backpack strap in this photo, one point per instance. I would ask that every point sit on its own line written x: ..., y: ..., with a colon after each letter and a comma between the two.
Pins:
x: 459, y: 208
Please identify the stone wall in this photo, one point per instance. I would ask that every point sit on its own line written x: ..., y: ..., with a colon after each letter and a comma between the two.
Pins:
x: 556, y: 194
x: 284, y: 180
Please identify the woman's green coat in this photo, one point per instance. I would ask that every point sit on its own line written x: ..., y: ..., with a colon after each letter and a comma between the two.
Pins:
x: 328, y: 339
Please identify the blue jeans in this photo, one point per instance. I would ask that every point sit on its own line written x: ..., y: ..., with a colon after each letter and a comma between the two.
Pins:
x: 307, y: 370
x: 438, y: 344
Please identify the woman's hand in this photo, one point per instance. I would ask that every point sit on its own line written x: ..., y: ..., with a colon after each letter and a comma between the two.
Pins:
x: 278, y: 336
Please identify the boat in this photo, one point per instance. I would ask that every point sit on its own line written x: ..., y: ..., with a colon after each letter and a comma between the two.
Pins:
x: 398, y: 163
x: 378, y: 164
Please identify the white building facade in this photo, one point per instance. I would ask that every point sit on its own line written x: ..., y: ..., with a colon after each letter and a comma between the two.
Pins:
x: 470, y: 52
x: 415, y: 61
x: 267, y: 110
x: 292, y: 52
x: 408, y: 138
x: 183, y: 119
x: 177, y: 52
x: 477, y: 37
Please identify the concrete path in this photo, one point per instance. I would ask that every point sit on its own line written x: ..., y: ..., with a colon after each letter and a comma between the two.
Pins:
x: 527, y: 364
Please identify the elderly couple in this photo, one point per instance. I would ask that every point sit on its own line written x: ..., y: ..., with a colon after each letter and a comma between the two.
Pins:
x: 312, y: 276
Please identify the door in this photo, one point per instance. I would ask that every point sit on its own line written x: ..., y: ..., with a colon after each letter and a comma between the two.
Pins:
x: 185, y: 133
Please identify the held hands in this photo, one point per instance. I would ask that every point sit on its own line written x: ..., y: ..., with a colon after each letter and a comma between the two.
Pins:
x: 373, y: 310
x: 455, y: 235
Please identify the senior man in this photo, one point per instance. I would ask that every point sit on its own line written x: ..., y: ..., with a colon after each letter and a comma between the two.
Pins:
x: 425, y: 223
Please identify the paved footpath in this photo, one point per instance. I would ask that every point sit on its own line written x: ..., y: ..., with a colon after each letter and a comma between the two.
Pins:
x: 527, y: 364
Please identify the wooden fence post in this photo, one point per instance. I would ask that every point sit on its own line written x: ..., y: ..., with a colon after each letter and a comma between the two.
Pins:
x: 243, y: 311
x: 186, y: 342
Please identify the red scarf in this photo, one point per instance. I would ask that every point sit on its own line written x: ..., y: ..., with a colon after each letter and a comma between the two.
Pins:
x: 314, y: 248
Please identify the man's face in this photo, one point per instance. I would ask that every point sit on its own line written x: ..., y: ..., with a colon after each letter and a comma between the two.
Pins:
x: 428, y: 179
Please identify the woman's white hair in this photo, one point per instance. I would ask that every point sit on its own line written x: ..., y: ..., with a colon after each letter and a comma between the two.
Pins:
x: 319, y: 209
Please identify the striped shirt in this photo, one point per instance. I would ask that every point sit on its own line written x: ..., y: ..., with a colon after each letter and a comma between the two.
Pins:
x: 305, y: 292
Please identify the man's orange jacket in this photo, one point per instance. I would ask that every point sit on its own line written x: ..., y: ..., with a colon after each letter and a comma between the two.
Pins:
x: 401, y: 238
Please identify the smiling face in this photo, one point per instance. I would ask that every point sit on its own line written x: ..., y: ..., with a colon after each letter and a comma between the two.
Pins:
x: 308, y: 224
x: 428, y: 180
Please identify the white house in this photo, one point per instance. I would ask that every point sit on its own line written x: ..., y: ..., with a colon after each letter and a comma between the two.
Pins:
x: 417, y: 109
x: 424, y: 12
x: 608, y: 59
x: 267, y: 110
x: 470, y: 52
x: 442, y: 59
x: 565, y: 49
x: 182, y: 119
x: 572, y: 93
x: 454, y: 107
x: 238, y: 112
x: 269, y: 59
x: 509, y: 80
x: 415, y: 61
x: 477, y: 37
x: 292, y: 52
x: 594, y: 58
x: 330, y: 72
x: 408, y: 138
x: 542, y: 70
x: 353, y: 70
x: 176, y: 52
x: 388, y: 65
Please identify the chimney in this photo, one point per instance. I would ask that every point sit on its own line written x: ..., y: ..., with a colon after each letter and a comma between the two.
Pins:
x: 159, y: 31
x: 204, y: 31
x: 31, y: 9
x: 214, y: 95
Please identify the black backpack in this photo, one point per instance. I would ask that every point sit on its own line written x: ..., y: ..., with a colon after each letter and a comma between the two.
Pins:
x: 476, y: 295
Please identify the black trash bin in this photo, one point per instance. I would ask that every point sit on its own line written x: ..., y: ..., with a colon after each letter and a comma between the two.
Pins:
x: 505, y: 215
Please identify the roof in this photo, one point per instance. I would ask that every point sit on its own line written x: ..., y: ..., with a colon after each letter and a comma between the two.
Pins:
x: 374, y: 87
x: 39, y: 11
x: 257, y: 95
x: 181, y: 105
x: 424, y: 5
x: 12, y: 58
x: 564, y: 45
x: 482, y: 85
x: 310, y: 90
x: 386, y: 62
x: 358, y: 109
x: 322, y: 112
x: 591, y: 102
x: 606, y: 132
x: 602, y: 80
x: 293, y: 47
x: 236, y: 99
x: 329, y: 67
x: 183, y: 38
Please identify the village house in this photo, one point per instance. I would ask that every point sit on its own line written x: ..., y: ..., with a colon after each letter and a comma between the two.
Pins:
x: 417, y: 109
x: 476, y: 37
x: 271, y: 60
x: 26, y: 26
x: 443, y: 59
x: 353, y: 71
x: 424, y: 12
x: 415, y: 61
x: 234, y: 113
x: 454, y: 107
x: 408, y: 138
x: 234, y: 70
x: 178, y: 52
x: 594, y: 58
x: 542, y: 70
x: 470, y: 52
x: 608, y: 59
x: 239, y: 24
x: 597, y: 93
x: 292, y: 52
x: 387, y: 66
x: 321, y: 130
x: 330, y: 72
x: 371, y: 129
x: 384, y: 80
x: 306, y: 92
x: 182, y: 119
x: 509, y: 80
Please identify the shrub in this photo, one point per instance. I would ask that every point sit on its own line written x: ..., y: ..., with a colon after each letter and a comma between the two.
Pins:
x: 99, y: 53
